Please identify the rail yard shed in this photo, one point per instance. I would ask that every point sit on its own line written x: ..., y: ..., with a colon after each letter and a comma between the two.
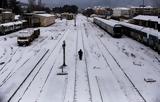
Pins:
x: 37, y: 20
x: 45, y: 19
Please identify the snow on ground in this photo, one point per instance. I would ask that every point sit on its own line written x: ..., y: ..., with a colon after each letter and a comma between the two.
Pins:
x: 111, y: 70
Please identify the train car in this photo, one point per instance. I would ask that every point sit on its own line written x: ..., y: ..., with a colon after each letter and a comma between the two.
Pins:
x: 158, y: 45
x: 147, y: 36
x: 18, y: 25
x: 24, y: 38
x: 10, y: 27
x: 36, y: 33
x: 153, y: 38
x: 136, y: 32
x: 111, y: 26
x: 6, y: 28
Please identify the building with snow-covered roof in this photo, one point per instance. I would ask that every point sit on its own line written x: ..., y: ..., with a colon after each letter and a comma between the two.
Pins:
x: 147, y: 21
x: 43, y: 19
x: 6, y: 15
x: 101, y: 10
x: 121, y: 12
x: 147, y: 10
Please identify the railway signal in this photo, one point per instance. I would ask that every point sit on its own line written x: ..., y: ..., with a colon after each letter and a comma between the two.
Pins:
x: 64, y: 62
x: 64, y: 55
x: 75, y: 21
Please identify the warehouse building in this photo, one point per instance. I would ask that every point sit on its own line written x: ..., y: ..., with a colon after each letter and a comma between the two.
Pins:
x: 121, y: 12
x: 39, y: 20
x: 45, y: 19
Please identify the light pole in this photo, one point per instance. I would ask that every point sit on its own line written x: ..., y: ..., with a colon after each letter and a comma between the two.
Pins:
x: 63, y: 46
x: 75, y: 21
x: 64, y: 64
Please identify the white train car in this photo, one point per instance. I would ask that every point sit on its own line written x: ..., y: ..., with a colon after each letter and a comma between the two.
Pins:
x: 111, y: 26
x: 9, y: 27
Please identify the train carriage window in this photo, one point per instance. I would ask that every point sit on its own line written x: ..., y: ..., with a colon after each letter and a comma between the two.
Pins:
x: 144, y: 34
x: 159, y: 27
x: 152, y: 37
x: 117, y: 29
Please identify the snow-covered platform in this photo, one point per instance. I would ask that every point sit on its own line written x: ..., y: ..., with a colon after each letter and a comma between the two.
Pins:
x: 111, y: 70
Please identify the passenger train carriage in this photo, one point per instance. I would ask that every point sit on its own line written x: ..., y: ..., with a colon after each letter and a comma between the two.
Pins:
x: 9, y: 27
x: 112, y: 27
x: 147, y: 36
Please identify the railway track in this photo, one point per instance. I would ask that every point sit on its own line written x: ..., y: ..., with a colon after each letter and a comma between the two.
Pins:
x: 12, y: 73
x: 26, y: 77
x: 9, y: 60
x: 48, y: 75
x: 75, y: 81
x: 88, y: 80
x: 119, y: 66
x: 85, y: 71
x: 37, y: 72
x: 99, y: 89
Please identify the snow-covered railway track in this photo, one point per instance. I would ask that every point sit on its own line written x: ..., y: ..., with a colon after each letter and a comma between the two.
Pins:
x: 12, y: 73
x: 27, y: 77
x: 87, y: 72
x: 38, y: 69
x: 75, y: 79
x: 119, y: 66
x: 99, y: 88
x: 125, y: 84
x: 8, y: 61
x: 14, y: 70
x: 82, y: 90
x: 20, y: 88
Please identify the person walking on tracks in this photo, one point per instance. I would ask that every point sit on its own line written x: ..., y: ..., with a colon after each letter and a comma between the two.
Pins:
x: 80, y: 53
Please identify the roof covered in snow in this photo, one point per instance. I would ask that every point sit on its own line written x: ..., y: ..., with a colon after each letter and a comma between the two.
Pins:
x: 45, y: 15
x: 7, y: 12
x: 109, y: 22
x: 13, y: 23
x: 147, y: 18
x: 17, y: 17
x: 141, y: 7
x: 141, y: 28
x: 121, y: 8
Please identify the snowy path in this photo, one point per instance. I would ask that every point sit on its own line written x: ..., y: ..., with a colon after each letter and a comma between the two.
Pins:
x: 111, y: 70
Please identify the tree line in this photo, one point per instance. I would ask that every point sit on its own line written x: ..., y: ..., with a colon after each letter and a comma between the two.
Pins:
x: 11, y: 4
x: 66, y: 8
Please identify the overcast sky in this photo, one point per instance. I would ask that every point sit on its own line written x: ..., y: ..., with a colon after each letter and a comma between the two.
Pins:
x: 91, y: 3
